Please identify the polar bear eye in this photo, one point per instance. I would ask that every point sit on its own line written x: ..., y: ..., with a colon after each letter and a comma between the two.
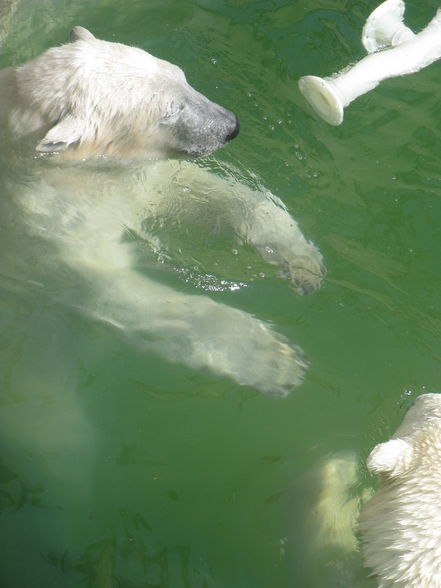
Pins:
x: 172, y: 114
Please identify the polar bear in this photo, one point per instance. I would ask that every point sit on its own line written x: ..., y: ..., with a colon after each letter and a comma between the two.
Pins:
x: 98, y: 139
x: 401, y: 525
x: 323, y: 505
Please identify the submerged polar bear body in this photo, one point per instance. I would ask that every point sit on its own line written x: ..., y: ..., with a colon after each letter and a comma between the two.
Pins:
x: 127, y: 113
x: 401, y: 525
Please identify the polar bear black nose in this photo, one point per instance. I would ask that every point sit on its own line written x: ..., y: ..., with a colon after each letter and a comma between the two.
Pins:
x: 235, y: 131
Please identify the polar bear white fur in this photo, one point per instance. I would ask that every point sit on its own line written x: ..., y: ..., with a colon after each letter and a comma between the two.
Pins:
x: 401, y: 525
x: 90, y: 131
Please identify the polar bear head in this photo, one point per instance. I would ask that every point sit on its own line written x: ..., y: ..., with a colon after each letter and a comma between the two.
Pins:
x: 92, y: 97
x: 401, y: 525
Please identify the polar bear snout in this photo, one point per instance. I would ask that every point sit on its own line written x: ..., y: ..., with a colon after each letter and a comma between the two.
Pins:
x: 202, y: 126
x: 235, y: 130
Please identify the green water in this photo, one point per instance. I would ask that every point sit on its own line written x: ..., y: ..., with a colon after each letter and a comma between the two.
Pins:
x: 119, y: 469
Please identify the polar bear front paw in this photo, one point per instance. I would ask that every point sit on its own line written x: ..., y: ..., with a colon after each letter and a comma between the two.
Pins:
x: 249, y: 352
x: 305, y: 273
x: 278, y: 372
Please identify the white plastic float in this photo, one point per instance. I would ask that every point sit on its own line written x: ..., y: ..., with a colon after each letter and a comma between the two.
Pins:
x: 393, y: 50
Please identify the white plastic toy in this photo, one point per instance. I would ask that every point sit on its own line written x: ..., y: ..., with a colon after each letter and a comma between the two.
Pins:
x: 393, y: 50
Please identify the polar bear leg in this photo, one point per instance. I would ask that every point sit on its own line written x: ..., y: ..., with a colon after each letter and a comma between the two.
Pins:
x: 254, y: 214
x: 197, y: 331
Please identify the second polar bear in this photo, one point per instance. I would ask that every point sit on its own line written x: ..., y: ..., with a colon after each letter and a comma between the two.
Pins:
x: 90, y: 135
x: 401, y: 525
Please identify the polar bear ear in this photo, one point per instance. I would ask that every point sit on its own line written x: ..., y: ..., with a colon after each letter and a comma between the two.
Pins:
x: 392, y: 458
x: 63, y: 135
x: 80, y: 34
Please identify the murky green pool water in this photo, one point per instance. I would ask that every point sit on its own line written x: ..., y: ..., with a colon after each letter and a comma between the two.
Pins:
x: 119, y: 469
